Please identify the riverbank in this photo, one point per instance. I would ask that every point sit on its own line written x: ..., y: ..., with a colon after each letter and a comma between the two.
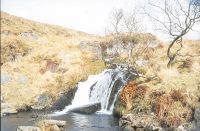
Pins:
x: 78, y: 122
x: 169, y: 95
x: 40, y: 62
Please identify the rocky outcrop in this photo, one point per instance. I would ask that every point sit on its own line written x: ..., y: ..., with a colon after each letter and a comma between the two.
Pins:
x: 42, y: 102
x: 65, y: 98
x: 30, y: 35
x: 93, y: 47
x: 139, y: 122
x: 88, y: 109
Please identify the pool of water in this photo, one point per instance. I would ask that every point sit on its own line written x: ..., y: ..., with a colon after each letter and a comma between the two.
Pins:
x: 75, y: 122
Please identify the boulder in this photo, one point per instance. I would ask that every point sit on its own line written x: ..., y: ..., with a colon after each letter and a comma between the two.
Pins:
x: 87, y: 109
x: 139, y: 122
x: 54, y: 122
x: 42, y: 101
x: 52, y: 125
x: 65, y: 98
x: 30, y: 35
x: 28, y: 128
x: 7, y: 109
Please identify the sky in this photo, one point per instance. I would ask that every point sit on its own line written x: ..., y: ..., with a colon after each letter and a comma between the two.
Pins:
x: 91, y: 16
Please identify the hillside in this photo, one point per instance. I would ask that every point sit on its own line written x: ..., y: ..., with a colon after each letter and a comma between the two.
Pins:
x: 41, y: 59
x: 39, y: 62
x: 170, y: 95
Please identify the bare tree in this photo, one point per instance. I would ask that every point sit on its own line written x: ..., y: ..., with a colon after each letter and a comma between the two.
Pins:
x: 123, y: 26
x: 179, y: 17
x: 131, y: 23
x: 116, y: 19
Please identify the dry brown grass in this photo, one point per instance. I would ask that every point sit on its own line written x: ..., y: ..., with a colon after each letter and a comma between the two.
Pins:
x: 172, y: 93
x: 51, y: 59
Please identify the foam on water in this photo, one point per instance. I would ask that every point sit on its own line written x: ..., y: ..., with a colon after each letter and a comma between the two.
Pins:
x: 98, y: 88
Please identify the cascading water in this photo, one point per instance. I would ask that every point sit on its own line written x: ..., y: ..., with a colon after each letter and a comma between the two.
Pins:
x: 101, y: 88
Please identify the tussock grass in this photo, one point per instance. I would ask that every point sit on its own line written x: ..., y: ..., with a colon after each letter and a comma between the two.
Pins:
x: 47, y: 56
x: 172, y: 93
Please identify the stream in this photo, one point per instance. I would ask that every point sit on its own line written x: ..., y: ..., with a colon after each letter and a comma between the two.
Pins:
x: 102, y: 88
x: 75, y: 122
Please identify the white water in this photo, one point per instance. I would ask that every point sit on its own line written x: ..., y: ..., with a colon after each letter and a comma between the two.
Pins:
x: 97, y: 88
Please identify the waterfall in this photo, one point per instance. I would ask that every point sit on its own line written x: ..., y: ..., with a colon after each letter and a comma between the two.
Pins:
x: 102, y: 88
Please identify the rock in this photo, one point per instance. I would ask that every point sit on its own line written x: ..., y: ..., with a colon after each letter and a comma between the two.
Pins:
x: 112, y: 66
x: 22, y: 79
x: 197, y: 116
x: 54, y: 122
x: 116, y: 50
x: 141, y: 63
x: 28, y: 128
x: 52, y: 125
x: 87, y: 109
x: 93, y: 47
x: 7, y: 109
x: 29, y: 35
x: 42, y: 101
x: 5, y: 78
x: 116, y: 87
x: 139, y: 122
x: 65, y: 98
x: 55, y: 128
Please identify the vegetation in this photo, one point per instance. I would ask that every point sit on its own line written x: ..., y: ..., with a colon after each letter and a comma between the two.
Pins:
x: 41, y: 59
x: 46, y: 59
x: 171, y: 94
x: 179, y: 17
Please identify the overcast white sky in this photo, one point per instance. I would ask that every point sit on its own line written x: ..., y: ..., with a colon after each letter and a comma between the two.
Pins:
x: 90, y: 16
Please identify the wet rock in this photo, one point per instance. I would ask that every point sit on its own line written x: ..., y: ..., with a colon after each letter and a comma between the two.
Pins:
x: 65, y: 98
x: 109, y: 61
x: 28, y: 128
x: 116, y: 86
x: 55, y: 128
x: 42, y: 101
x: 54, y: 122
x: 52, y: 125
x: 139, y: 122
x: 112, y: 66
x: 88, y: 109
x: 7, y: 109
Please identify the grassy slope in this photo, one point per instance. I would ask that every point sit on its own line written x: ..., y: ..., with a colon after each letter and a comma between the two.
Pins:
x: 173, y: 93
x: 47, y: 57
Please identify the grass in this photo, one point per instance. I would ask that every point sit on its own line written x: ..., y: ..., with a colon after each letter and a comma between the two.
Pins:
x: 50, y: 58
x: 47, y: 55
x: 172, y: 93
